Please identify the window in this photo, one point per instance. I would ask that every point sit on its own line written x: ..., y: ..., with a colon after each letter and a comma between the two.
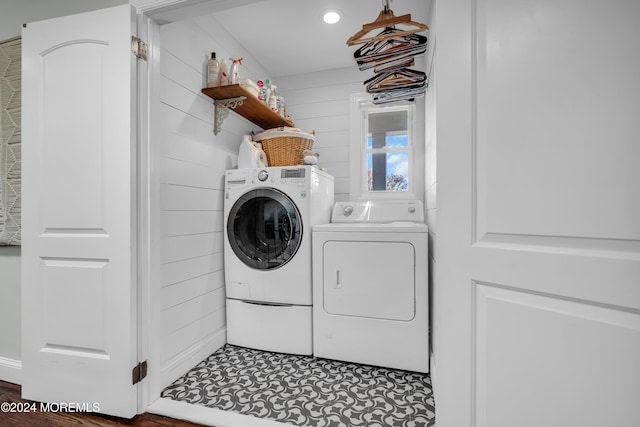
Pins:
x: 384, y: 155
x: 387, y: 152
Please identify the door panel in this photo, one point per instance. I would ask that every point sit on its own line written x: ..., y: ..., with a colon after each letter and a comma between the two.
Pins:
x: 544, y: 169
x: 536, y: 290
x: 78, y: 273
x: 73, y: 132
x: 74, y: 310
x: 571, y: 346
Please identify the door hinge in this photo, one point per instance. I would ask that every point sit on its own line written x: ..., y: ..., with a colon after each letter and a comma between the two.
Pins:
x: 139, y: 372
x: 138, y: 48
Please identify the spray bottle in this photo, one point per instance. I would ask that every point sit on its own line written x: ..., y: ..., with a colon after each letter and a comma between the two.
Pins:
x: 224, y: 73
x: 234, y: 76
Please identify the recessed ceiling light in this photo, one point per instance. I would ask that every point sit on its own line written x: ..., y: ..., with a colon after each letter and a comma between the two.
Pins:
x: 331, y: 16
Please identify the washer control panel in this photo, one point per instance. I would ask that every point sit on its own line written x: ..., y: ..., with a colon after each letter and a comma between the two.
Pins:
x: 290, y: 177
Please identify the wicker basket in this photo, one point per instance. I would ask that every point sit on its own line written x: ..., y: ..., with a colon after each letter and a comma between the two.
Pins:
x: 285, y: 146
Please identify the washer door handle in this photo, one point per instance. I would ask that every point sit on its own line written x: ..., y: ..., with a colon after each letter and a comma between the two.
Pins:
x: 338, y: 282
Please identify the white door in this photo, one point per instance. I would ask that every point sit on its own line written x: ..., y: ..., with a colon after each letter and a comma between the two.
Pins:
x: 537, y: 251
x: 79, y: 266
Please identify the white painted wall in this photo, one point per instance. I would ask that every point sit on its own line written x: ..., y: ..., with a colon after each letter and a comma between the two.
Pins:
x: 192, y: 165
x: 430, y: 157
x: 320, y: 101
x: 14, y: 14
x: 10, y: 302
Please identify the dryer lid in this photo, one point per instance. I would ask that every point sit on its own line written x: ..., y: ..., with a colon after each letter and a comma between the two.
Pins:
x: 378, y: 211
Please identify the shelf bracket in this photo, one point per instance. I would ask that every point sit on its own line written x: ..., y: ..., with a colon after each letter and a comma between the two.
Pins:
x: 221, y: 110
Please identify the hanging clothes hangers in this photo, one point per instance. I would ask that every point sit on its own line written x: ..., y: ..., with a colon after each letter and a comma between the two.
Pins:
x: 390, y: 53
x: 386, y: 19
x: 402, y: 78
x: 382, y: 54
x: 397, y: 85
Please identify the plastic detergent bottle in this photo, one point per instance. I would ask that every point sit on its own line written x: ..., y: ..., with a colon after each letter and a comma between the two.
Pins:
x: 265, y: 87
x: 273, y: 98
x: 262, y: 156
x: 213, y: 71
x: 248, y: 154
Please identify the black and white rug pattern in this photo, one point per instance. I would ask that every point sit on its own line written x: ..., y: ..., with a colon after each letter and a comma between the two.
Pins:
x: 307, y: 391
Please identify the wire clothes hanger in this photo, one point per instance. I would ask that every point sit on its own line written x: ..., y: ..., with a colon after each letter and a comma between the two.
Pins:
x: 386, y: 19
x: 384, y: 54
x: 396, y: 85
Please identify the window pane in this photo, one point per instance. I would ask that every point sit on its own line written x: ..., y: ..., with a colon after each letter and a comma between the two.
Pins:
x: 388, y: 171
x: 398, y: 140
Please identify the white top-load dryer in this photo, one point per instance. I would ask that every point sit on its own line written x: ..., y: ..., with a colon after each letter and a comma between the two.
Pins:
x: 370, y: 285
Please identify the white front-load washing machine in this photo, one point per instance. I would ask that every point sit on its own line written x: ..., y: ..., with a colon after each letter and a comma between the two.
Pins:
x: 269, y: 214
x: 370, y: 285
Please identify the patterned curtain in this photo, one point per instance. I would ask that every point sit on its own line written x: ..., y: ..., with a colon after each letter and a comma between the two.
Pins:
x: 10, y: 158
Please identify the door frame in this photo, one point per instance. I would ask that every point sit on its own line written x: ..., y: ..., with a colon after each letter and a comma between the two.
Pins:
x: 145, y: 214
x: 150, y: 15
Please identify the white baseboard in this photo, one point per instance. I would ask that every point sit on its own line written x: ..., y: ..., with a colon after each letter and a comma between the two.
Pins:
x: 11, y: 370
x: 207, y: 416
x: 189, y: 358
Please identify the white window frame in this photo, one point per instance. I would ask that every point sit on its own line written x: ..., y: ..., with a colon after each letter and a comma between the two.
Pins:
x: 361, y: 106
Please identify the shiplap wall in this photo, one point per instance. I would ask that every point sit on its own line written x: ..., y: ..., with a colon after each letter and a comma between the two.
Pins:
x: 192, y: 164
x: 320, y: 101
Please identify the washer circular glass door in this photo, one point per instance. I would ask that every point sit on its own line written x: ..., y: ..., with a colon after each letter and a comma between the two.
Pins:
x: 264, y: 228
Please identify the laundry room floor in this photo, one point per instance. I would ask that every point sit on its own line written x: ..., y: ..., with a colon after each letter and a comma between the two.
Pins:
x: 306, y: 391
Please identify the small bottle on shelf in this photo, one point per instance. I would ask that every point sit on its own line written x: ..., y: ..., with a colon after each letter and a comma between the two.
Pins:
x: 213, y: 71
x: 234, y: 76
x: 265, y: 88
x: 281, y: 109
x: 273, y: 98
x: 224, y: 73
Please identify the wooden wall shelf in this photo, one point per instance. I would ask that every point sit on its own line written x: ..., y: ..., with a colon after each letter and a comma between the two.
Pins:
x: 242, y: 102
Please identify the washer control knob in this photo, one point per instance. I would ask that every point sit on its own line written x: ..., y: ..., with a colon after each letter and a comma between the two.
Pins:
x: 263, y: 175
x: 348, y: 210
x: 412, y: 209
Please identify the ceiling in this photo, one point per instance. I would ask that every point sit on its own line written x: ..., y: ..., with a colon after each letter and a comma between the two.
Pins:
x: 288, y: 37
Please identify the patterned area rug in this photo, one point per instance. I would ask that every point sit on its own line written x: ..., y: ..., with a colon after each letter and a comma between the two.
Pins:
x: 307, y: 391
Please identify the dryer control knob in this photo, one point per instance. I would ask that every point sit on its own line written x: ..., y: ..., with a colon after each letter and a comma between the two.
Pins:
x: 263, y: 175
x: 348, y: 210
x: 412, y: 209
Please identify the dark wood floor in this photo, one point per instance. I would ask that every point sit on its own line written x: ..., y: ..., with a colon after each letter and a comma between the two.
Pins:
x: 11, y: 393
